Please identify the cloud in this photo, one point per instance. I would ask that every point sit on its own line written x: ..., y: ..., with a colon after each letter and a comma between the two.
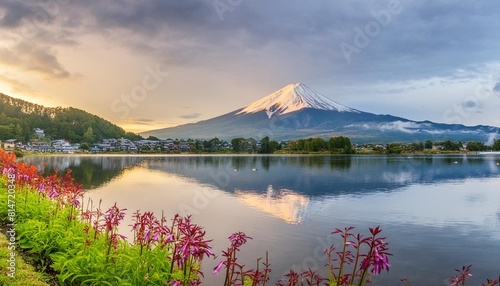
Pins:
x: 264, y: 45
x: 146, y: 121
x: 14, y: 12
x: 407, y: 127
x: 496, y: 88
x: 34, y: 58
x: 403, y: 126
x: 16, y: 85
x: 421, y: 41
x: 191, y: 116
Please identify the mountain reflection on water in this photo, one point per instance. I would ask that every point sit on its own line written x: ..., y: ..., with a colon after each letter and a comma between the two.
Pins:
x: 288, y: 187
x: 439, y: 212
x: 311, y: 175
x: 284, y: 204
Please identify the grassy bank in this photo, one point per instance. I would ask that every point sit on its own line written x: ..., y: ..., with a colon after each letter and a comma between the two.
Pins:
x: 25, y: 274
x: 79, y: 243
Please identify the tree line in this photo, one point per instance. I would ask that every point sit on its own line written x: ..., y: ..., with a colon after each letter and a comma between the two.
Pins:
x: 333, y: 145
x: 19, y: 118
x: 448, y: 145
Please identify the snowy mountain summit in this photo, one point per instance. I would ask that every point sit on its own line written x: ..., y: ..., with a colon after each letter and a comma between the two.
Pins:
x: 294, y: 97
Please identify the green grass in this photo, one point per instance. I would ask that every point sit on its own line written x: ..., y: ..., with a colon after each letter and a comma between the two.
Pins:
x: 25, y: 273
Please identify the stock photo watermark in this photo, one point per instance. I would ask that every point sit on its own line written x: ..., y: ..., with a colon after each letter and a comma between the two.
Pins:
x: 470, y: 104
x: 128, y: 101
x: 221, y: 7
x: 201, y: 199
x: 318, y: 257
x: 45, y: 12
x: 364, y: 35
x: 11, y: 226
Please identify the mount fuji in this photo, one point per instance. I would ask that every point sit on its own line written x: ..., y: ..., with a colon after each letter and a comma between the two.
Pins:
x: 296, y: 111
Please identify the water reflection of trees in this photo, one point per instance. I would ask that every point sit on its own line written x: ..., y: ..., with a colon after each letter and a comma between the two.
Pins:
x: 339, y: 162
x: 255, y: 162
x: 91, y: 172
x: 304, y: 173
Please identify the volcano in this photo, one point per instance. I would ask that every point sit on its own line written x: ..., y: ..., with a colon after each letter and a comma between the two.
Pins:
x: 296, y: 111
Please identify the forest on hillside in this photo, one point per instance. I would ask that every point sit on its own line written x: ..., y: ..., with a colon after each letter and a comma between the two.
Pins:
x: 19, y: 118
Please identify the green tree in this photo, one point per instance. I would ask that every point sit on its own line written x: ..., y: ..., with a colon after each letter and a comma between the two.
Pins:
x: 275, y: 145
x: 340, y: 144
x: 85, y: 146
x: 428, y: 144
x: 5, y: 132
x: 476, y: 146
x: 129, y: 135
x: 496, y: 145
x: 265, y: 146
x: 238, y: 144
x: 417, y: 146
x: 88, y: 136
x: 451, y: 146
x: 394, y: 148
x: 18, y: 132
x: 317, y: 144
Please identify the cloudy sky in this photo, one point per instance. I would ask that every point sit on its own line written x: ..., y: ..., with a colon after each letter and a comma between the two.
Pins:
x: 160, y: 63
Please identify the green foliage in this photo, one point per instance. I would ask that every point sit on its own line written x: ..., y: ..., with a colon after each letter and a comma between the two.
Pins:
x: 130, y: 136
x: 19, y: 154
x: 238, y: 144
x: 496, y: 145
x: 450, y: 146
x: 476, y: 146
x: 62, y: 245
x: 25, y: 274
x: 267, y: 146
x: 428, y: 144
x: 89, y: 135
x: 18, y: 118
x: 85, y: 146
x: 335, y: 145
x: 394, y: 148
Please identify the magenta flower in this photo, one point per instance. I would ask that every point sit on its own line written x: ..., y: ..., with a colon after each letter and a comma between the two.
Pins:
x: 380, y: 261
x: 238, y: 239
x: 113, y: 217
x: 463, y: 275
x: 219, y: 267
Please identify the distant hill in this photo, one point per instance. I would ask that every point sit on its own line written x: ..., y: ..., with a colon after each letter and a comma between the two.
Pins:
x: 19, y: 118
x: 296, y: 111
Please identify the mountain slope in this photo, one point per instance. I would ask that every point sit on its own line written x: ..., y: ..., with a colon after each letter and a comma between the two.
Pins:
x: 296, y: 111
x: 18, y: 118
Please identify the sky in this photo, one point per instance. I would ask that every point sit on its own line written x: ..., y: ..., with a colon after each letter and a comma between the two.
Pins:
x: 159, y: 63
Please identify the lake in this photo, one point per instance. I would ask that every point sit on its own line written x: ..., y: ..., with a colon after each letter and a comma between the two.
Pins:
x: 438, y: 212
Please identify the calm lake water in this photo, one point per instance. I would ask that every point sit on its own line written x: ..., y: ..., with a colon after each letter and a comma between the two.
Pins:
x: 437, y: 212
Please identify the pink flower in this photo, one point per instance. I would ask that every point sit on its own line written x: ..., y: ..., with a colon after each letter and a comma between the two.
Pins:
x: 176, y: 283
x: 238, y: 239
x: 219, y: 267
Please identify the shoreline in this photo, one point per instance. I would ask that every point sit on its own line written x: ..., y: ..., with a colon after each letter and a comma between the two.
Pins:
x: 451, y: 153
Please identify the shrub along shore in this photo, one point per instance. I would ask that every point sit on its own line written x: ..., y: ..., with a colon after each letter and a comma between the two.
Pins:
x: 77, y: 242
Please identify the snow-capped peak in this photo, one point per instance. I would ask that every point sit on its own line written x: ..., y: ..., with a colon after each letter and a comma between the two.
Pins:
x: 294, y: 97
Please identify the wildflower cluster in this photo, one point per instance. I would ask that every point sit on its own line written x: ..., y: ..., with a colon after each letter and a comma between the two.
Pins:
x: 235, y: 272
x: 464, y: 273
x: 81, y: 243
x: 351, y: 265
